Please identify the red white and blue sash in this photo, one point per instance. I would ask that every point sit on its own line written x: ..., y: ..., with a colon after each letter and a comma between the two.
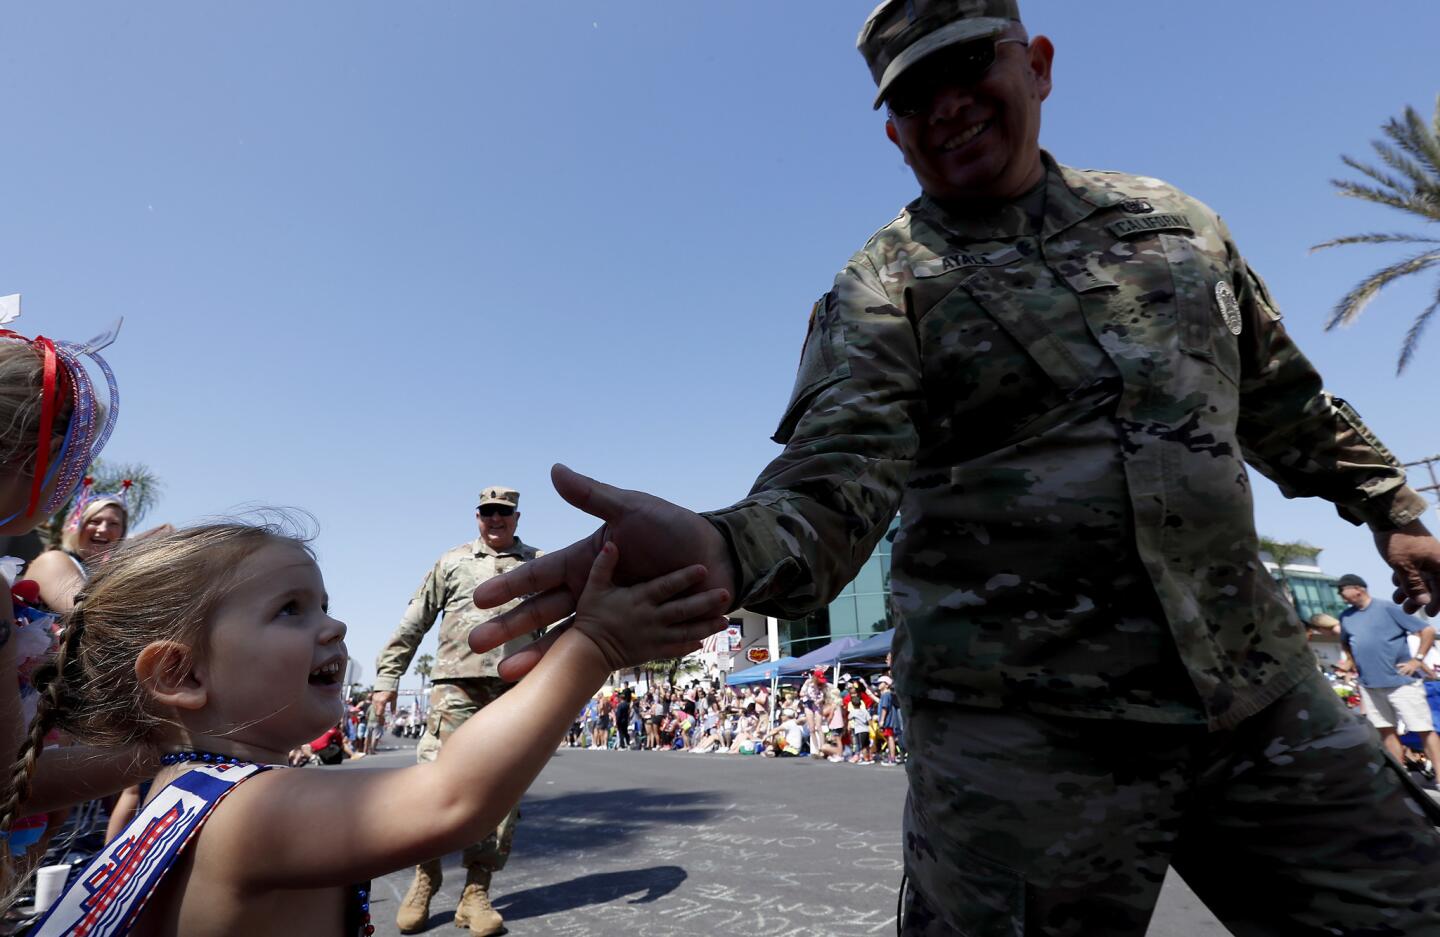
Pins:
x: 107, y: 899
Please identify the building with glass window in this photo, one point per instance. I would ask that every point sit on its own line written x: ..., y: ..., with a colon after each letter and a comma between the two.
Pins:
x: 1312, y: 589
x: 861, y: 609
x: 1313, y: 592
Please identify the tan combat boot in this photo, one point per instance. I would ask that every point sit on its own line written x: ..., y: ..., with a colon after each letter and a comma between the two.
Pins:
x: 414, y: 911
x: 475, y: 910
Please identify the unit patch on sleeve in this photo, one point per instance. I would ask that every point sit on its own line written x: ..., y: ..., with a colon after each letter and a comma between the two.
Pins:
x: 1145, y: 224
x: 1229, y: 307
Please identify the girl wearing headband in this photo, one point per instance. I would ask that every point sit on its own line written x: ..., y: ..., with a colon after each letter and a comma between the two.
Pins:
x: 52, y: 425
x: 96, y: 525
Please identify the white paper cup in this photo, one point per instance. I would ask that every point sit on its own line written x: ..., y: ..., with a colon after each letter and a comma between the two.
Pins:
x: 49, y: 883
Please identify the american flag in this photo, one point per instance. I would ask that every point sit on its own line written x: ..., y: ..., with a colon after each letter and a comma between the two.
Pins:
x: 717, y: 643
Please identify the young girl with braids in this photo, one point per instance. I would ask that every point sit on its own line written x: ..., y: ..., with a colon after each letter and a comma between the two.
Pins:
x: 52, y: 426
x: 215, y: 645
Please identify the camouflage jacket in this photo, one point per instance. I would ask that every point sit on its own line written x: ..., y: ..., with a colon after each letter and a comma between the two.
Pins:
x: 447, y: 589
x: 1062, y: 418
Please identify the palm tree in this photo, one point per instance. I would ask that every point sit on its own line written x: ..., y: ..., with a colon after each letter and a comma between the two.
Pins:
x: 423, y: 665
x: 670, y: 667
x: 1412, y: 185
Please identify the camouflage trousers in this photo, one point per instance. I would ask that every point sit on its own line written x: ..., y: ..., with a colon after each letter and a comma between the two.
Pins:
x: 451, y: 703
x: 1295, y: 822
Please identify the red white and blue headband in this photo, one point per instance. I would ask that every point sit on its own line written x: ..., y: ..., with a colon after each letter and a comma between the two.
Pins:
x: 65, y: 378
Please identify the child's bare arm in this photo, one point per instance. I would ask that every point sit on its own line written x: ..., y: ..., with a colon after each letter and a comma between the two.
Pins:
x: 64, y: 776
x: 300, y: 829
x: 68, y: 776
x: 58, y: 579
x: 127, y: 805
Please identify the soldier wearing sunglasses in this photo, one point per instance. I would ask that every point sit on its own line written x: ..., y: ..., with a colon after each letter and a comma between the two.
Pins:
x: 464, y: 682
x: 1057, y: 376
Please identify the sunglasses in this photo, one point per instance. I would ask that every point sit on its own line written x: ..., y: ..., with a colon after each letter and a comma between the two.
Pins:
x: 958, y: 67
x: 491, y: 510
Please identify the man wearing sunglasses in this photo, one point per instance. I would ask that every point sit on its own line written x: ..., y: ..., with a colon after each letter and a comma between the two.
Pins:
x: 1057, y: 377
x: 464, y: 682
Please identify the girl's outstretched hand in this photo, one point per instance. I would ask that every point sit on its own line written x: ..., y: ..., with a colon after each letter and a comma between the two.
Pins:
x: 649, y: 620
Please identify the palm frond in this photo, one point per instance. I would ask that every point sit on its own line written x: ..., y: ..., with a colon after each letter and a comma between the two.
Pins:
x: 1285, y: 552
x: 1421, y: 177
x: 1412, y: 337
x: 1355, y: 301
x: 1415, y: 138
x: 1410, y: 150
x: 1417, y: 206
x: 1385, y: 181
x: 145, y: 486
x: 1376, y: 239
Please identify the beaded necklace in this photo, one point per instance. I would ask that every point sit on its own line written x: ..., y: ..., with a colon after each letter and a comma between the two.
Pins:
x: 209, y: 758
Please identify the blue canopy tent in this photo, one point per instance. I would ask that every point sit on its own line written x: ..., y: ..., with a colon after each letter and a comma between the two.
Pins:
x: 760, y: 673
x: 825, y: 656
x: 871, y: 649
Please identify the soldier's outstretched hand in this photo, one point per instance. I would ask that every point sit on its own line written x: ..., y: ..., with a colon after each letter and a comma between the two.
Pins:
x: 1414, y: 555
x: 634, y: 624
x: 654, y: 537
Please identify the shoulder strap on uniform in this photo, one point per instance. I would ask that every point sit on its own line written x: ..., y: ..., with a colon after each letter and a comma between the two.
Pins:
x: 107, y: 898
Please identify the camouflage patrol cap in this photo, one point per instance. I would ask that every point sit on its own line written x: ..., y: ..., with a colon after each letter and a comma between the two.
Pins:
x: 900, y: 33
x: 497, y: 494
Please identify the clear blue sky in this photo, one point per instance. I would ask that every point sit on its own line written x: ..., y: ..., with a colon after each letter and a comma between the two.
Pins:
x: 373, y: 256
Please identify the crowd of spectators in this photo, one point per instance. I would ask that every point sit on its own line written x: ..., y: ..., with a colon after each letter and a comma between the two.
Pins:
x: 849, y: 720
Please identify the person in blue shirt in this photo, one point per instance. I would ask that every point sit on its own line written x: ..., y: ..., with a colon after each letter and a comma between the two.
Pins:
x: 1374, y: 633
x: 590, y: 717
x: 889, y: 716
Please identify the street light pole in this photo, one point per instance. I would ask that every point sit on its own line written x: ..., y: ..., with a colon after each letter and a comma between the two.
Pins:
x: 1434, y: 487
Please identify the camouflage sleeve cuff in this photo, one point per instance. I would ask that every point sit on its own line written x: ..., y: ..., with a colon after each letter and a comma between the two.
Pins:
x: 386, y: 682
x: 1393, y: 509
x: 766, y: 570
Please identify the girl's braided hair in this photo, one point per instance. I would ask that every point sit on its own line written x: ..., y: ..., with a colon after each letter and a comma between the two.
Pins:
x: 49, y: 681
x: 160, y: 589
x: 22, y: 379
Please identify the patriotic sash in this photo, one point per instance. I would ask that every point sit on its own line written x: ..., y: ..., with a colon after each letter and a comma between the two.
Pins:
x: 107, y: 899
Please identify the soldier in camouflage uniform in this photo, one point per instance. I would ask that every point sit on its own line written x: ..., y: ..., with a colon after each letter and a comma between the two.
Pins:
x: 1057, y: 377
x: 463, y: 683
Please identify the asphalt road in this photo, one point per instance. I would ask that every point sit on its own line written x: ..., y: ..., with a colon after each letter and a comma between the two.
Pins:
x: 679, y: 845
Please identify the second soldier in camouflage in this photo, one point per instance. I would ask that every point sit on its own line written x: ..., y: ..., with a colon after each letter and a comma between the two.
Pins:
x: 463, y: 683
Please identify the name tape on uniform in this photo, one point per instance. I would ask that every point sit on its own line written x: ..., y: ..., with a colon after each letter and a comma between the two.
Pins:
x: 923, y: 269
